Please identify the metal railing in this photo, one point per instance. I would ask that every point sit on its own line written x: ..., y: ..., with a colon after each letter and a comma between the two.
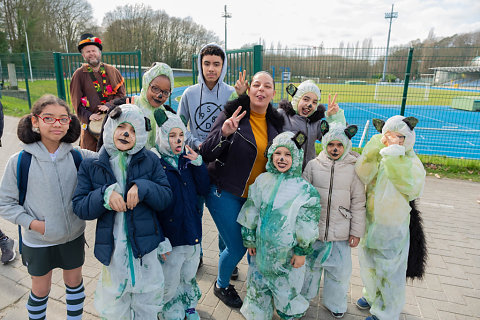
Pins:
x: 128, y: 63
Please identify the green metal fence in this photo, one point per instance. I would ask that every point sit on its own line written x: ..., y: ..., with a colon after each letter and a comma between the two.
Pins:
x: 19, y: 62
x: 128, y: 63
x: 237, y: 60
x: 439, y: 86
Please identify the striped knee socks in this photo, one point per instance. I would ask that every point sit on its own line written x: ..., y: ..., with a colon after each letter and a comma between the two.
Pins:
x: 37, y: 307
x: 75, y: 297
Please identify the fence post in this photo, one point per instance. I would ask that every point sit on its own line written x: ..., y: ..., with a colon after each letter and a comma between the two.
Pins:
x: 140, y: 78
x: 194, y: 59
x: 257, y: 58
x: 407, y: 80
x: 57, y: 60
x: 26, y: 81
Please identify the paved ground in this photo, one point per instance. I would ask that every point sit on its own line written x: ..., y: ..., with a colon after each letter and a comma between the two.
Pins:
x: 450, y: 290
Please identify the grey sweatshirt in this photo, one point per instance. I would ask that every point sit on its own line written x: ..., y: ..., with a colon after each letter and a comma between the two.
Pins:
x: 201, y: 106
x: 49, y: 195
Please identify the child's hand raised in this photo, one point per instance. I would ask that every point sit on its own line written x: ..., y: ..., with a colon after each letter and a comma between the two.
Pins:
x: 116, y: 202
x: 332, y: 107
x: 192, y: 155
x: 297, y: 261
x: 252, y: 251
x: 132, y: 197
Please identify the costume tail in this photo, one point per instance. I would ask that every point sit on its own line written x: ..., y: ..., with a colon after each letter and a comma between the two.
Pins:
x: 417, y: 254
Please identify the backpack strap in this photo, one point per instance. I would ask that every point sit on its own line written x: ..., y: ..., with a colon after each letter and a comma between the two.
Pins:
x: 77, y: 157
x: 23, y: 167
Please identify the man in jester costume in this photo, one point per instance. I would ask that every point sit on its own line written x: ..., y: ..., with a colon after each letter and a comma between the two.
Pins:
x: 93, y: 85
x: 279, y: 225
x: 394, y: 177
x: 125, y: 190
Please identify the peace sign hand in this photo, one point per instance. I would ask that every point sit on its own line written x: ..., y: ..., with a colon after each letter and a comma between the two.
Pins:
x: 231, y: 124
x: 332, y: 107
x: 241, y: 85
x: 192, y: 155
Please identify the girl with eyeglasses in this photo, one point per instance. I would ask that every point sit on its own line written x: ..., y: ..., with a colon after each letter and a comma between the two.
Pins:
x: 157, y: 87
x: 52, y: 234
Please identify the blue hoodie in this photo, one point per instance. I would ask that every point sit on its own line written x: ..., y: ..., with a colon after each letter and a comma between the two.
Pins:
x: 200, y: 106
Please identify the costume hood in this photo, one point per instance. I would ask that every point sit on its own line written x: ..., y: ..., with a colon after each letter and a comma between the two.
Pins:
x: 305, y: 87
x: 292, y: 142
x: 338, y: 131
x: 401, y: 125
x: 127, y: 113
x: 158, y: 69
x: 167, y: 121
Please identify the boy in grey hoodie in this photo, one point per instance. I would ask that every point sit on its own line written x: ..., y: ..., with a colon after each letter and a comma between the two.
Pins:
x: 202, y: 102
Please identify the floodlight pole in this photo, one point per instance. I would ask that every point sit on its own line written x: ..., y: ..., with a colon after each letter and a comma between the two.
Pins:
x: 226, y: 15
x: 389, y: 15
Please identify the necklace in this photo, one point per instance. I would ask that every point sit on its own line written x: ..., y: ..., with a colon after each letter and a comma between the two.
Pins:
x: 102, y: 94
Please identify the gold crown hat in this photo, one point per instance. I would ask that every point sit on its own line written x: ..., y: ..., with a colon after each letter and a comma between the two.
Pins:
x: 89, y: 39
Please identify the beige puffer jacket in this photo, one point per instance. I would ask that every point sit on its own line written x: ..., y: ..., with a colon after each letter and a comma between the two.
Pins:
x: 342, y: 196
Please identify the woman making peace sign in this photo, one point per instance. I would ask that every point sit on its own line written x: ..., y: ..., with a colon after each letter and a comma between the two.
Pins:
x: 235, y: 151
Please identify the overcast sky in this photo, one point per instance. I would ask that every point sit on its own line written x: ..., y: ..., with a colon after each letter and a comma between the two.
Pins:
x: 299, y: 23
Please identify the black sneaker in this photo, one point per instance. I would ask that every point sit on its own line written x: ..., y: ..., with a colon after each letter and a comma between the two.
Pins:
x: 229, y: 296
x: 234, y: 275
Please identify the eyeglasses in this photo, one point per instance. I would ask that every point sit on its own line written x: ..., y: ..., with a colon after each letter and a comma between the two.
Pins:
x: 157, y: 90
x: 52, y: 120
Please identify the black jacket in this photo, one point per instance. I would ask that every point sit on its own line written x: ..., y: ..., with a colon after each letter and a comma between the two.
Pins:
x: 231, y: 160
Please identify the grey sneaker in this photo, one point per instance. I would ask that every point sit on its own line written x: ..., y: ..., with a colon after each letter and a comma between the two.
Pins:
x: 8, y: 250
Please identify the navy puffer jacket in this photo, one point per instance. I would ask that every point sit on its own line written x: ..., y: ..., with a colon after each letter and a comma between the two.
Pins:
x: 143, y: 222
x: 182, y: 220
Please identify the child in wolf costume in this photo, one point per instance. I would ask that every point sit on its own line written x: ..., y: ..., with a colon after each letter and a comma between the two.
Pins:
x: 394, y: 177
x: 279, y: 224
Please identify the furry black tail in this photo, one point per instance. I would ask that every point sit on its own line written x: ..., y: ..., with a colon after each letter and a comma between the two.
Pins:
x: 417, y: 254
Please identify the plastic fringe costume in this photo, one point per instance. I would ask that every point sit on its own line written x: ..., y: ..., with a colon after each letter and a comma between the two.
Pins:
x: 394, y: 176
x: 279, y: 219
x: 180, y: 268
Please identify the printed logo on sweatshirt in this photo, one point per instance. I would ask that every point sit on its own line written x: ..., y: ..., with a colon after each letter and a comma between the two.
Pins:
x: 205, y: 116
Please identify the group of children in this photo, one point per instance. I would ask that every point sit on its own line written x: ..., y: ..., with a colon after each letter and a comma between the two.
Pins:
x: 301, y: 218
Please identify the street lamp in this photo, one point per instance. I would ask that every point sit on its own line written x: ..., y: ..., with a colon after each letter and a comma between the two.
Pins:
x: 389, y: 15
x: 226, y: 15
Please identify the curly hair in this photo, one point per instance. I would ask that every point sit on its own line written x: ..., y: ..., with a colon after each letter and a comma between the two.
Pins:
x: 25, y: 129
x: 212, y: 50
